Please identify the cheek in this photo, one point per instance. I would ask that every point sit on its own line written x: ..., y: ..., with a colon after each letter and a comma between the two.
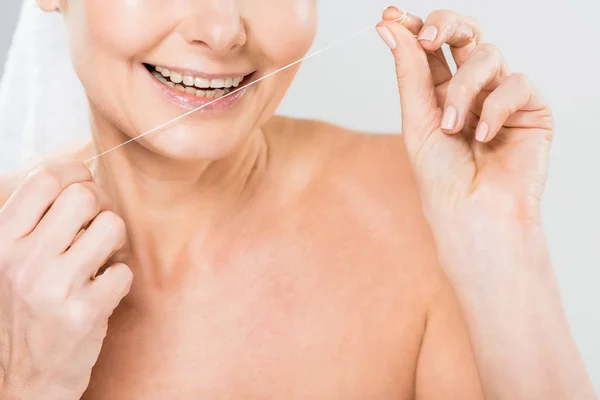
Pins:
x: 284, y: 30
x: 107, y: 38
x: 119, y: 29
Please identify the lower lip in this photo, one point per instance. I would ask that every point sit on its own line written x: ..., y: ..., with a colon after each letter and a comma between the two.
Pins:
x: 192, y: 102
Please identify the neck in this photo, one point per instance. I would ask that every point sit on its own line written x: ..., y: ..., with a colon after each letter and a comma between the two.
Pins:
x: 166, y: 203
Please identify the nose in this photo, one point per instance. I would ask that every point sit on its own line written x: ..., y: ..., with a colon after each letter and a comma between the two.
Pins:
x: 215, y: 24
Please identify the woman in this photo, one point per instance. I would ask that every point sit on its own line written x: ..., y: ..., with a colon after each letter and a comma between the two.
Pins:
x: 277, y: 258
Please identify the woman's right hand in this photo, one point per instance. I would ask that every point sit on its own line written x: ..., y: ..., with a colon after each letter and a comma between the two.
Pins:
x: 56, y: 232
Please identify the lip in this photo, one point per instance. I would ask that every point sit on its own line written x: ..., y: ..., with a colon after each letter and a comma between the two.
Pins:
x: 191, y: 102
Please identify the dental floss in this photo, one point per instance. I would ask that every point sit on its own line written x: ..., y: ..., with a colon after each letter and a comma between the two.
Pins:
x: 330, y: 46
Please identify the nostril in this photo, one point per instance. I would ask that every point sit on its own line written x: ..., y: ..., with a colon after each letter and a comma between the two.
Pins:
x: 218, y: 29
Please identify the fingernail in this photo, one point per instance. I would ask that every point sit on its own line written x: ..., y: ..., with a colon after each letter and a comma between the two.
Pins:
x: 482, y: 131
x: 449, y: 119
x: 387, y: 36
x: 428, y: 33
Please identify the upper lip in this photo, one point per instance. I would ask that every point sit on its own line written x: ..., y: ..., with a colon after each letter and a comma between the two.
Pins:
x: 200, y: 74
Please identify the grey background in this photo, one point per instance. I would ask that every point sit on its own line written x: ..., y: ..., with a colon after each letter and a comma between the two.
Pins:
x: 556, y: 45
x: 8, y: 21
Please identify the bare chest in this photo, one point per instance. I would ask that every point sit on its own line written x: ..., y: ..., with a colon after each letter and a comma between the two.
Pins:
x: 312, y: 321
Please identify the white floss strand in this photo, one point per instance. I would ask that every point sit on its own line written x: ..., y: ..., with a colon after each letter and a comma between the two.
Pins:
x: 161, y: 126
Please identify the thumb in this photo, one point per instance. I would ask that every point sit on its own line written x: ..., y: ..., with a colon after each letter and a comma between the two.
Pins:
x: 420, y: 112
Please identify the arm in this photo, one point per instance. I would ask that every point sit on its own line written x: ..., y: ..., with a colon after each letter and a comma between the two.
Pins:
x: 478, y: 142
x: 512, y: 307
x: 520, y: 345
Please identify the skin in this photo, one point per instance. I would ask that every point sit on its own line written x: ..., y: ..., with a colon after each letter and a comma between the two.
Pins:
x: 285, y: 258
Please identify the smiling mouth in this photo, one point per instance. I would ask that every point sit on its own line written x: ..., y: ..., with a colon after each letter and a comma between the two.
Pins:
x: 197, y: 86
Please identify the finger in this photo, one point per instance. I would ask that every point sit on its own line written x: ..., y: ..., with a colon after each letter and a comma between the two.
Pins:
x: 484, y: 70
x: 510, y: 105
x: 438, y: 64
x: 461, y: 32
x: 24, y: 209
x: 108, y: 289
x: 97, y: 244
x: 410, y: 21
x: 441, y: 93
x: 74, y: 208
x: 420, y: 111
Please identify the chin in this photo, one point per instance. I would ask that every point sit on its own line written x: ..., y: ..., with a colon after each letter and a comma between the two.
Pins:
x: 190, y: 143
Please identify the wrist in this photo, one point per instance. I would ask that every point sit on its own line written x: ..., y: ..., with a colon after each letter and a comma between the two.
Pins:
x: 478, y: 247
x: 486, y: 203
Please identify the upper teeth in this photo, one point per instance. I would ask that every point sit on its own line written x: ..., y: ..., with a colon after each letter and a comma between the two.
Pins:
x: 202, y: 83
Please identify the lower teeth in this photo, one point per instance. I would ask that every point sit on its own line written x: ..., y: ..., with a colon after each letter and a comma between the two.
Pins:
x: 211, y: 93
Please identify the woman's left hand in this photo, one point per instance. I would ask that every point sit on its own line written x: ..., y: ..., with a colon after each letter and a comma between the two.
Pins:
x: 478, y: 140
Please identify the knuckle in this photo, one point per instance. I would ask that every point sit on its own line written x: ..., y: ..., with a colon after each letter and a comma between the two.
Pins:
x: 50, y: 293
x: 522, y: 79
x: 494, y: 106
x: 82, y: 196
x: 80, y: 316
x: 41, y: 297
x: 439, y: 15
x: 447, y: 20
x: 113, y: 222
x: 444, y: 20
x: 78, y: 164
x: 545, y: 120
x: 451, y: 20
x: 46, y: 179
x: 44, y: 294
x: 474, y: 23
x: 490, y: 50
x: 458, y: 89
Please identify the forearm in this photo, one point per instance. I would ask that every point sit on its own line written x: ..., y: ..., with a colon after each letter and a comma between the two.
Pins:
x: 508, y: 292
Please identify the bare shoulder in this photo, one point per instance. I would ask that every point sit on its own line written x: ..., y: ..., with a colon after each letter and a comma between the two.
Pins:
x: 371, y: 171
x: 368, y: 178
x: 367, y: 181
x: 378, y: 162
